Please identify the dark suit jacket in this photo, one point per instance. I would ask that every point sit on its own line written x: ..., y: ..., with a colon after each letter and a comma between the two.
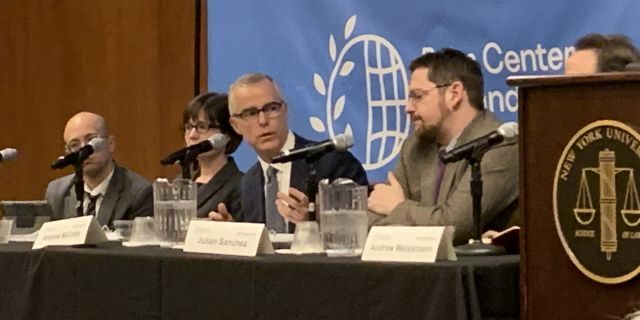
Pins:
x: 223, y: 187
x: 332, y: 165
x: 128, y: 195
x: 416, y: 173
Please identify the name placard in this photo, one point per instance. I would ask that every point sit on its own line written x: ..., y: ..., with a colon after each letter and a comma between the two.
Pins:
x: 69, y: 232
x: 5, y: 230
x: 409, y: 244
x: 228, y: 238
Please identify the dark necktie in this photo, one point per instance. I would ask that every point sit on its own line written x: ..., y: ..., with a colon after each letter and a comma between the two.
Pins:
x: 440, y: 167
x: 91, y: 207
x: 273, y: 218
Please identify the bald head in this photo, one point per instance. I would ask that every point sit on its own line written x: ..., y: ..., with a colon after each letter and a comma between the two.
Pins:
x: 85, y: 123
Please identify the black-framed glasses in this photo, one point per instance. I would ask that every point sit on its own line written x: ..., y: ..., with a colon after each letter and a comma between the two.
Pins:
x: 75, y: 144
x: 201, y: 127
x: 418, y: 94
x: 271, y: 110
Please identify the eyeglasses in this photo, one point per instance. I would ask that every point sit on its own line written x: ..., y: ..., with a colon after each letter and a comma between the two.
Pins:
x: 416, y: 95
x: 201, y: 127
x: 75, y: 144
x: 271, y: 110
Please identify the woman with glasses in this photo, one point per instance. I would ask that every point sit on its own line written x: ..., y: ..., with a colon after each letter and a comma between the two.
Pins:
x: 216, y: 173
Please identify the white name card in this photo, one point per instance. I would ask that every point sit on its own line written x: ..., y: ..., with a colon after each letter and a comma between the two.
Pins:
x: 69, y: 232
x: 5, y: 230
x: 228, y: 238
x: 409, y: 244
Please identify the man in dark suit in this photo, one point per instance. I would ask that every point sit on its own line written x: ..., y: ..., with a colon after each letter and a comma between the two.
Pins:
x: 111, y: 192
x: 446, y: 105
x: 274, y: 193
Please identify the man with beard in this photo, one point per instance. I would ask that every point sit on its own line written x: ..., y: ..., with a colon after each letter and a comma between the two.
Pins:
x: 446, y: 106
x: 111, y: 192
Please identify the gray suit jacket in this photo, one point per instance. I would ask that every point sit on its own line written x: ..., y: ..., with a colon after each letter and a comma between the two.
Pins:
x: 128, y: 195
x: 416, y: 173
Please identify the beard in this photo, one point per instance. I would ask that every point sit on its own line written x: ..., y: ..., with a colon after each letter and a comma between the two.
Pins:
x: 427, y: 134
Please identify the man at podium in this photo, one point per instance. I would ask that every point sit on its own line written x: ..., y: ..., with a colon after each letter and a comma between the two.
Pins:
x: 601, y: 53
x: 446, y: 106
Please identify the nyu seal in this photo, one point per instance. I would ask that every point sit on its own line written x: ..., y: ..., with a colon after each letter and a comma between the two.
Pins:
x: 595, y: 201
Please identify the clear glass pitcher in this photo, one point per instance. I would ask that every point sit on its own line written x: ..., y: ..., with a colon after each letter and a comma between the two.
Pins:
x: 174, y: 205
x: 343, y: 216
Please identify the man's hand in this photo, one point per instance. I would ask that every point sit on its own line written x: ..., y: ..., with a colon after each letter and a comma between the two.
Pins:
x: 293, y: 206
x: 385, y: 197
x: 221, y: 215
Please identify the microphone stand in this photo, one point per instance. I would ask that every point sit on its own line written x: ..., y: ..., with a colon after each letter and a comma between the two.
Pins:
x: 312, y: 182
x: 79, y: 187
x: 186, y: 171
x: 475, y: 247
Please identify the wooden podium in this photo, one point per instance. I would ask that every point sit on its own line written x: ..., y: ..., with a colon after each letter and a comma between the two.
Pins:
x: 552, y: 109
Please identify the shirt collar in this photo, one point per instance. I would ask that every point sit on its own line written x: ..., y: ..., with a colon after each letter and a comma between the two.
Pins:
x: 288, y: 145
x: 100, y: 189
x: 452, y: 143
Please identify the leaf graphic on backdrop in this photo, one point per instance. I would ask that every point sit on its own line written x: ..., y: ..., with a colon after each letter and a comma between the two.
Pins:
x: 348, y: 27
x: 317, y: 124
x: 349, y: 132
x: 319, y: 84
x: 346, y: 68
x: 339, y: 107
x: 332, y: 47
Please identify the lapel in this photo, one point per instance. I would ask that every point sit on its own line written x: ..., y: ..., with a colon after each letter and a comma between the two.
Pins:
x: 299, y: 170
x: 70, y: 202
x: 428, y: 179
x: 454, y: 170
x: 111, y: 197
x: 216, y: 183
x: 253, y: 201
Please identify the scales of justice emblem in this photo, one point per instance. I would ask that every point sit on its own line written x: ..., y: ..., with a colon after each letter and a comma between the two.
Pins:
x: 596, y: 202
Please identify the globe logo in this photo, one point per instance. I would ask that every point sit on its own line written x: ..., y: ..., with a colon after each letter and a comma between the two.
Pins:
x: 369, y: 79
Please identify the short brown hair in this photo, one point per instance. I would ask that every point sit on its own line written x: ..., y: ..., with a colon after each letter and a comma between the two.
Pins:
x: 448, y: 65
x: 614, y: 51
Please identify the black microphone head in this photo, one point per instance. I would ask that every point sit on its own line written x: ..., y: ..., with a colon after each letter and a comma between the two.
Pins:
x: 342, y: 142
x: 8, y: 154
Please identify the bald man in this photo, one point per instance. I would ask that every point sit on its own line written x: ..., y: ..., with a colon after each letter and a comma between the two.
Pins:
x: 111, y: 192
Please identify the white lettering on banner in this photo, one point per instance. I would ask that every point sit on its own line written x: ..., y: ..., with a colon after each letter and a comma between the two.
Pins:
x: 495, y: 59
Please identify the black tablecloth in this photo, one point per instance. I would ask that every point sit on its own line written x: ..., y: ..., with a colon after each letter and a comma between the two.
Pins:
x: 109, y: 281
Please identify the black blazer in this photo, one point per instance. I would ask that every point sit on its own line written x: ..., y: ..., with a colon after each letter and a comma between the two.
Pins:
x: 332, y: 165
x: 223, y: 187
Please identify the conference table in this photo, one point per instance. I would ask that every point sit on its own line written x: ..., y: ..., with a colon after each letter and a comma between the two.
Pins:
x: 109, y: 281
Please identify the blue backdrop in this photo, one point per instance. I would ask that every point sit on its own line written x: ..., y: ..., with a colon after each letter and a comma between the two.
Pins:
x: 342, y: 64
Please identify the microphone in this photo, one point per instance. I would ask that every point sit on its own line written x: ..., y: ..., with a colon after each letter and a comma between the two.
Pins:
x: 216, y: 141
x: 95, y: 145
x: 8, y: 154
x: 471, y: 148
x: 340, y: 142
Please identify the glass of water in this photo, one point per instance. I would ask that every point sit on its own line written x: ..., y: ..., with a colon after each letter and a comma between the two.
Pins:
x: 343, y: 217
x: 174, y: 205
